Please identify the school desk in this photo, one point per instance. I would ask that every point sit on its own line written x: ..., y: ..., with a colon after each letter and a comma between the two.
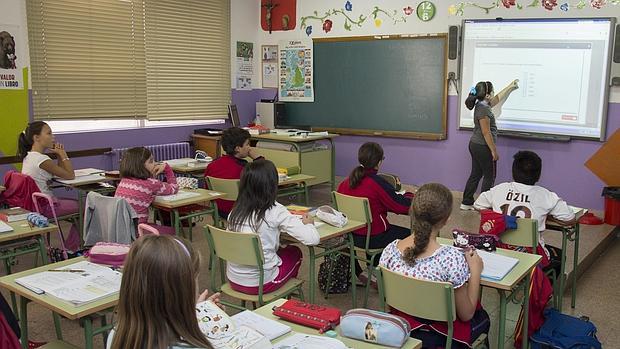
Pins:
x: 181, y: 166
x: 96, y: 182
x: 326, y: 233
x: 295, y: 184
x: 319, y: 163
x: 267, y: 311
x: 209, y: 144
x: 569, y: 233
x: 506, y: 287
x: 57, y: 306
x: 204, y: 200
x: 19, y: 242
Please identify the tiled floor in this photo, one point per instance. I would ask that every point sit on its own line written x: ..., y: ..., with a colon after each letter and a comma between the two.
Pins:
x: 596, y: 289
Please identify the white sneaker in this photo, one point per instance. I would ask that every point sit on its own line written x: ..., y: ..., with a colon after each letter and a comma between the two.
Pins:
x: 467, y: 207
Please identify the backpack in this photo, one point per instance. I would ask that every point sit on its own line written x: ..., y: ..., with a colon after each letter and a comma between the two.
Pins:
x: 341, y: 274
x: 564, y: 331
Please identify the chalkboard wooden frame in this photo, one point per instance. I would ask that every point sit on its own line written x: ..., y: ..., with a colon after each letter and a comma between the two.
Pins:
x: 390, y: 133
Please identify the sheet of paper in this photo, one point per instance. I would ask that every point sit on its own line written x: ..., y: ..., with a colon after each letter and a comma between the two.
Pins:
x: 496, y: 266
x: 306, y: 341
x: 267, y: 327
x: 87, y: 171
x: 81, y: 179
x: 181, y: 195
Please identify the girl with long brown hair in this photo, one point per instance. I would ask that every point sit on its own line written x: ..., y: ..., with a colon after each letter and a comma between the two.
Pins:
x: 422, y: 257
x: 158, y: 296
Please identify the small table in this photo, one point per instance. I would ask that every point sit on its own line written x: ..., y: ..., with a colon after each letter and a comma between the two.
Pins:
x: 205, y: 197
x: 327, y: 232
x: 57, y: 306
x: 267, y: 311
x: 569, y: 233
x: 12, y: 245
x: 506, y: 286
x: 83, y: 185
x: 301, y: 186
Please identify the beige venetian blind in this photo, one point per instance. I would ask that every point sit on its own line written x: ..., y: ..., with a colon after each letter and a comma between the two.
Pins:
x: 187, y: 58
x: 87, y: 58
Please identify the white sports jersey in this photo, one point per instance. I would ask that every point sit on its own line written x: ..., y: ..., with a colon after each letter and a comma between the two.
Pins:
x: 525, y: 201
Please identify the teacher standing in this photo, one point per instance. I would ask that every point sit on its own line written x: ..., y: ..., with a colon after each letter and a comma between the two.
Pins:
x: 482, y: 143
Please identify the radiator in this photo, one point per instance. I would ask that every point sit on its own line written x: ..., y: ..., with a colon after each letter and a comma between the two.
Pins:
x: 161, y: 152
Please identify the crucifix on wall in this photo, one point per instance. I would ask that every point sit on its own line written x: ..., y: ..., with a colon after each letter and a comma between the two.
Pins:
x: 278, y: 15
x: 269, y: 6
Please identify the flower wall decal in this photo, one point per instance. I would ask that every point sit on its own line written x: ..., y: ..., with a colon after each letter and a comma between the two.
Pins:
x: 458, y: 9
x: 378, y: 16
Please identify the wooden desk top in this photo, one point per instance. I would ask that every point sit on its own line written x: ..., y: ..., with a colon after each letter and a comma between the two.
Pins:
x: 527, y: 261
x: 291, y: 139
x: 267, y: 311
x: 205, y: 196
x: 54, y: 304
x: 85, y: 180
x: 296, y: 179
x: 23, y: 230
x: 200, y: 167
x: 327, y: 231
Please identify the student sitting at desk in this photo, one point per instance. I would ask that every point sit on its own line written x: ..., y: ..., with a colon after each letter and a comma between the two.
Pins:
x: 32, y: 144
x: 258, y: 212
x: 525, y: 199
x: 139, y: 186
x: 236, y: 144
x: 364, y: 182
x: 419, y: 255
x: 158, y: 296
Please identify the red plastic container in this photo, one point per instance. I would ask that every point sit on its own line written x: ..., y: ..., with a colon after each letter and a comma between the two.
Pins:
x: 612, y: 205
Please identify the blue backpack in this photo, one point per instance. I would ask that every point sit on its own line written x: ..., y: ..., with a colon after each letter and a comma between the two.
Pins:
x: 564, y: 331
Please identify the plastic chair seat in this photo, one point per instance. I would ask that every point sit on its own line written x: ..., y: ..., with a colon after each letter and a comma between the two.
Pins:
x: 290, y: 285
x: 58, y: 345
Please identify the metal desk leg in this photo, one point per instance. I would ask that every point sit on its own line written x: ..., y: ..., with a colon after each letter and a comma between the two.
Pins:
x: 88, y: 332
x: 562, y: 276
x: 312, y: 272
x: 42, y: 250
x: 525, y: 339
x: 80, y: 216
x: 501, y: 334
x: 57, y: 325
x: 306, y: 194
x: 575, y: 260
x: 353, y: 276
x: 23, y: 320
x: 216, y: 214
x: 333, y: 179
x: 177, y: 222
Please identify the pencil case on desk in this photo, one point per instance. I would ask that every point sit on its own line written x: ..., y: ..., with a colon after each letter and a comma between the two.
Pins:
x: 312, y: 315
x: 375, y: 327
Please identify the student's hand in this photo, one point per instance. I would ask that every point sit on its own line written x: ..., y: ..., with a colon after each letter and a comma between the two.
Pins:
x: 215, y: 298
x: 253, y: 153
x: 495, y: 155
x: 474, y: 261
x: 515, y: 84
x: 59, y: 150
x: 158, y: 169
x: 307, y: 219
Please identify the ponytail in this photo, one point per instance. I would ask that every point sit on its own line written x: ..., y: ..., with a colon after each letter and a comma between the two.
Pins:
x: 369, y: 156
x: 26, y: 138
x: 478, y: 93
x: 430, y: 207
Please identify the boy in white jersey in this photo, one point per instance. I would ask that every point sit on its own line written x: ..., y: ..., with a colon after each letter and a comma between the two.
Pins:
x: 522, y: 198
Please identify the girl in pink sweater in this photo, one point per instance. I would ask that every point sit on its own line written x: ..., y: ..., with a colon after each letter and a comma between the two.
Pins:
x: 139, y: 186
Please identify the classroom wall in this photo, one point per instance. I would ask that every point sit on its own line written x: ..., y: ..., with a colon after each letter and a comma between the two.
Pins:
x: 448, y: 161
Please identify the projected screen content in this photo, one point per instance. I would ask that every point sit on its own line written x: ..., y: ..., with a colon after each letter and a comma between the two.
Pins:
x: 562, y: 67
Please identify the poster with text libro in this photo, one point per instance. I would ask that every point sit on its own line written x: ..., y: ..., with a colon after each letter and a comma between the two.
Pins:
x: 11, y: 58
x: 296, y: 71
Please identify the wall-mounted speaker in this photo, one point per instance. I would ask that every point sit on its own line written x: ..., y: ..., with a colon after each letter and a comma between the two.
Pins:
x: 614, y: 79
x: 453, y: 41
x: 617, y: 45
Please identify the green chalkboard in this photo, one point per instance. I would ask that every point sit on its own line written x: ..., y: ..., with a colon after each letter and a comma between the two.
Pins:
x: 388, y: 86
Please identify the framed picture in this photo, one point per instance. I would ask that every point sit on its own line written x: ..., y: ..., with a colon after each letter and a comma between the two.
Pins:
x: 269, y: 53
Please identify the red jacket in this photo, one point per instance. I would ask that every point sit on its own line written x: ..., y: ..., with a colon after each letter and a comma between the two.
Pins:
x: 382, y: 199
x: 19, y: 190
x: 226, y: 167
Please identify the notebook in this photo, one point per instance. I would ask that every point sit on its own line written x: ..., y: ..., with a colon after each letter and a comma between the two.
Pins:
x: 267, y: 327
x: 87, y: 171
x: 496, y: 266
x: 5, y: 228
x: 77, y: 288
x: 181, y: 195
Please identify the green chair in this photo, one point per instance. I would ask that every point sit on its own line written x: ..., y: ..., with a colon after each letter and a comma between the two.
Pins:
x: 245, y: 249
x: 425, y: 299
x: 358, y: 209
x: 228, y: 186
x: 57, y: 344
x: 526, y: 235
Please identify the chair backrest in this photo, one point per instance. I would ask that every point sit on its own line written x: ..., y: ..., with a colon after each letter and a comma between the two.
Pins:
x: 108, y: 219
x: 19, y: 190
x: 526, y: 234
x: 430, y: 300
x: 144, y: 229
x: 228, y: 186
x: 355, y: 208
x: 239, y: 248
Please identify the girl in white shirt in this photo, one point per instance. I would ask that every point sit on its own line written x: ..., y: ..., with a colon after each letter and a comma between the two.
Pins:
x: 257, y: 212
x: 32, y: 144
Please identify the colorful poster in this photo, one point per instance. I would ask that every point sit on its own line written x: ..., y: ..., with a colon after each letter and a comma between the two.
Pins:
x: 11, y: 58
x: 296, y: 71
x: 245, y: 65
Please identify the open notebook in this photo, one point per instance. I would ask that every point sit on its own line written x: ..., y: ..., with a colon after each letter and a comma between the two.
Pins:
x: 496, y: 266
x: 181, y: 195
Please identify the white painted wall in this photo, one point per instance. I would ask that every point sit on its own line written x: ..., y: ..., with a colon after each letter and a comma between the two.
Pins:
x: 242, y: 17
